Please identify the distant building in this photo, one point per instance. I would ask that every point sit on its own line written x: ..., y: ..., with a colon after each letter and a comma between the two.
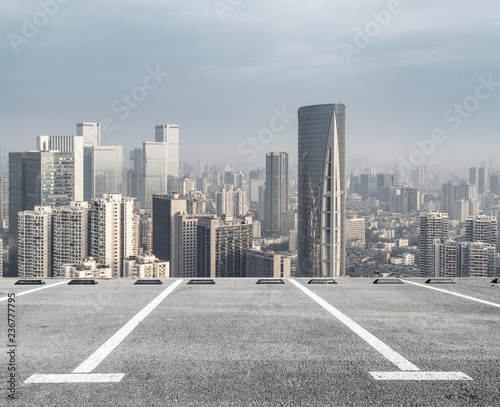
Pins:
x: 184, y: 261
x: 37, y: 178
x: 164, y: 208
x: 433, y: 225
x: 223, y: 244
x: 35, y: 243
x: 4, y: 202
x: 146, y: 266
x: 70, y: 236
x: 112, y: 231
x: 231, y: 202
x: 88, y: 268
x: 292, y: 240
x: 103, y: 171
x: 355, y: 229
x: 155, y: 171
x: 276, y: 200
x: 90, y: 132
x: 481, y: 228
x: 267, y: 264
x: 169, y: 134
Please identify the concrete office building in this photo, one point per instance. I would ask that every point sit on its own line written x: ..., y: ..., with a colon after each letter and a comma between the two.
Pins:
x: 66, y: 144
x: 70, y: 225
x: 164, y: 208
x: 222, y: 246
x: 267, y: 264
x: 276, y: 190
x: 112, y: 231
x: 35, y: 243
x: 433, y: 225
x: 322, y: 190
x: 169, y: 133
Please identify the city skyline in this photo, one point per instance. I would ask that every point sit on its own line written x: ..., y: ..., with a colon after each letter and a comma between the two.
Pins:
x: 444, y: 70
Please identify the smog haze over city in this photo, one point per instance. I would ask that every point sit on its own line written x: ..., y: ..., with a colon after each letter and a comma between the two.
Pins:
x: 250, y: 203
x: 401, y: 67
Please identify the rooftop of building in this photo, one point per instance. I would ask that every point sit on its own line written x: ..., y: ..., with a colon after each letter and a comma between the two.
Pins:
x: 239, y: 343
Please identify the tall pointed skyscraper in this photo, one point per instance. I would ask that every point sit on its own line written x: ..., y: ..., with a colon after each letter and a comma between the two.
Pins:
x: 322, y: 190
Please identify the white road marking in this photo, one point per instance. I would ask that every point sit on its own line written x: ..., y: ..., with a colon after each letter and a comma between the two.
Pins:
x: 82, y: 373
x: 75, y: 378
x: 452, y: 293
x: 420, y: 376
x: 409, y: 370
x: 374, y: 342
x: 34, y: 289
x: 100, y: 354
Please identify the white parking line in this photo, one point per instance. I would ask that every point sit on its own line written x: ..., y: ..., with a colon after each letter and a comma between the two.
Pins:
x: 82, y: 371
x: 452, y: 293
x: 409, y: 370
x: 74, y: 378
x: 34, y: 289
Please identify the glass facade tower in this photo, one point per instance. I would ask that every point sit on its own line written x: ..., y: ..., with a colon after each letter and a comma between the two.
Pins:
x: 322, y: 191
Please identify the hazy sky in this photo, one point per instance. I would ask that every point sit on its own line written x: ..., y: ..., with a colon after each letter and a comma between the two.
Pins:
x: 238, y: 70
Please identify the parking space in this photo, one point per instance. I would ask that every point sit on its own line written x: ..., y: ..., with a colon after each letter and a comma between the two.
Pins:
x: 239, y: 343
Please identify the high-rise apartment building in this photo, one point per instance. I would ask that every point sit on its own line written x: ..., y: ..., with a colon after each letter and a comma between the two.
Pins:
x: 276, y: 190
x: 222, y: 246
x: 477, y: 259
x: 169, y: 133
x: 70, y: 228
x: 231, y: 202
x: 112, y: 231
x: 184, y: 261
x: 164, y: 209
x: 433, y: 225
x: 37, y: 178
x: 35, y: 243
x: 103, y: 171
x: 356, y: 229
x: 4, y: 202
x: 66, y: 144
x: 322, y: 190
x: 481, y: 228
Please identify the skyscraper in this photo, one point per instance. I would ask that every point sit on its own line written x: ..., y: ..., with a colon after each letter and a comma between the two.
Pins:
x: 35, y: 242
x: 276, y: 200
x: 322, y: 190
x: 70, y: 231
x: 112, y: 231
x: 37, y: 178
x: 155, y: 170
x: 103, y: 171
x: 66, y: 144
x: 481, y: 228
x: 91, y: 133
x: 433, y: 226
x: 169, y: 133
x: 164, y: 209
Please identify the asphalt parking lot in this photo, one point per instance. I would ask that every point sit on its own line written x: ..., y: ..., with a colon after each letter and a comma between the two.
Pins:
x: 238, y: 343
